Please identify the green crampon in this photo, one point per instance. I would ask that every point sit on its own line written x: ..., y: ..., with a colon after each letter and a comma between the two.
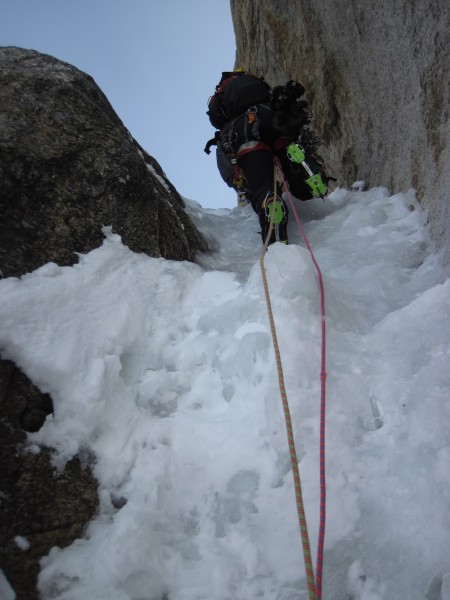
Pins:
x: 275, y: 212
x: 296, y: 154
x: 318, y: 188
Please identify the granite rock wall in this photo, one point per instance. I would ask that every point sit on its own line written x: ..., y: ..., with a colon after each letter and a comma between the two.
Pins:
x: 376, y: 75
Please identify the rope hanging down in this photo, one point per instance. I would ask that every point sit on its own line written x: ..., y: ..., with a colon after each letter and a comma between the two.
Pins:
x: 323, y: 378
x: 289, y: 429
x: 314, y: 585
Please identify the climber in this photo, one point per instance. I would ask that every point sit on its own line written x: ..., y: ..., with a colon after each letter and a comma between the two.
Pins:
x: 255, y: 123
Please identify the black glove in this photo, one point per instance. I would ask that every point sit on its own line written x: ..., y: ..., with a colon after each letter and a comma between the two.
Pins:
x: 284, y: 95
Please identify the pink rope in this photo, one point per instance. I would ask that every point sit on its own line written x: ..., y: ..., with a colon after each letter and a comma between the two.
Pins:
x: 323, y: 377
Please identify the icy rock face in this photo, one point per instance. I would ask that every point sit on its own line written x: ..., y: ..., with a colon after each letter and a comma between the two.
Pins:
x: 69, y: 166
x: 376, y: 75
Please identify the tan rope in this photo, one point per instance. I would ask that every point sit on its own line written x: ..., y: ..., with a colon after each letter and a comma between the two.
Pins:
x: 289, y: 429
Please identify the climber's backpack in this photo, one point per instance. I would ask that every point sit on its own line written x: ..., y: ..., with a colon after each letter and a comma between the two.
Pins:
x: 235, y: 93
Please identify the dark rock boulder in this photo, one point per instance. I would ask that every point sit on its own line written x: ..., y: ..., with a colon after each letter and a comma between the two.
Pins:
x: 68, y: 166
x: 40, y: 506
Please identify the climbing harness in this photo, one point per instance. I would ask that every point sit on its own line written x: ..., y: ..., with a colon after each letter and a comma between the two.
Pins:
x: 314, y: 583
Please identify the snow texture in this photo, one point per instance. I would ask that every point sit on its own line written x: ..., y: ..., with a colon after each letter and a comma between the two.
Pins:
x: 164, y: 380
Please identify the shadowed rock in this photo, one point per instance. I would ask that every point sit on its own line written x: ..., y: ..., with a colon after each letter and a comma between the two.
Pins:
x: 68, y: 166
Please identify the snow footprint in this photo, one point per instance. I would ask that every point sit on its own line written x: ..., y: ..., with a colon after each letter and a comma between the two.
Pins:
x: 237, y: 501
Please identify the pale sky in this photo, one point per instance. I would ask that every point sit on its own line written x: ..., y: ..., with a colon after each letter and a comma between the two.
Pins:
x: 157, y: 61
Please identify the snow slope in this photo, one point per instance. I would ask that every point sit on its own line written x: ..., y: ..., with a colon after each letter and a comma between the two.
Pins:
x: 163, y: 378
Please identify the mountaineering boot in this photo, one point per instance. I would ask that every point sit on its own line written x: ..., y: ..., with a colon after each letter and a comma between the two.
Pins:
x: 274, y: 209
x: 314, y: 181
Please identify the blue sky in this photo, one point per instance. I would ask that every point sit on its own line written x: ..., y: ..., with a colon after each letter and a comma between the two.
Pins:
x: 157, y: 61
